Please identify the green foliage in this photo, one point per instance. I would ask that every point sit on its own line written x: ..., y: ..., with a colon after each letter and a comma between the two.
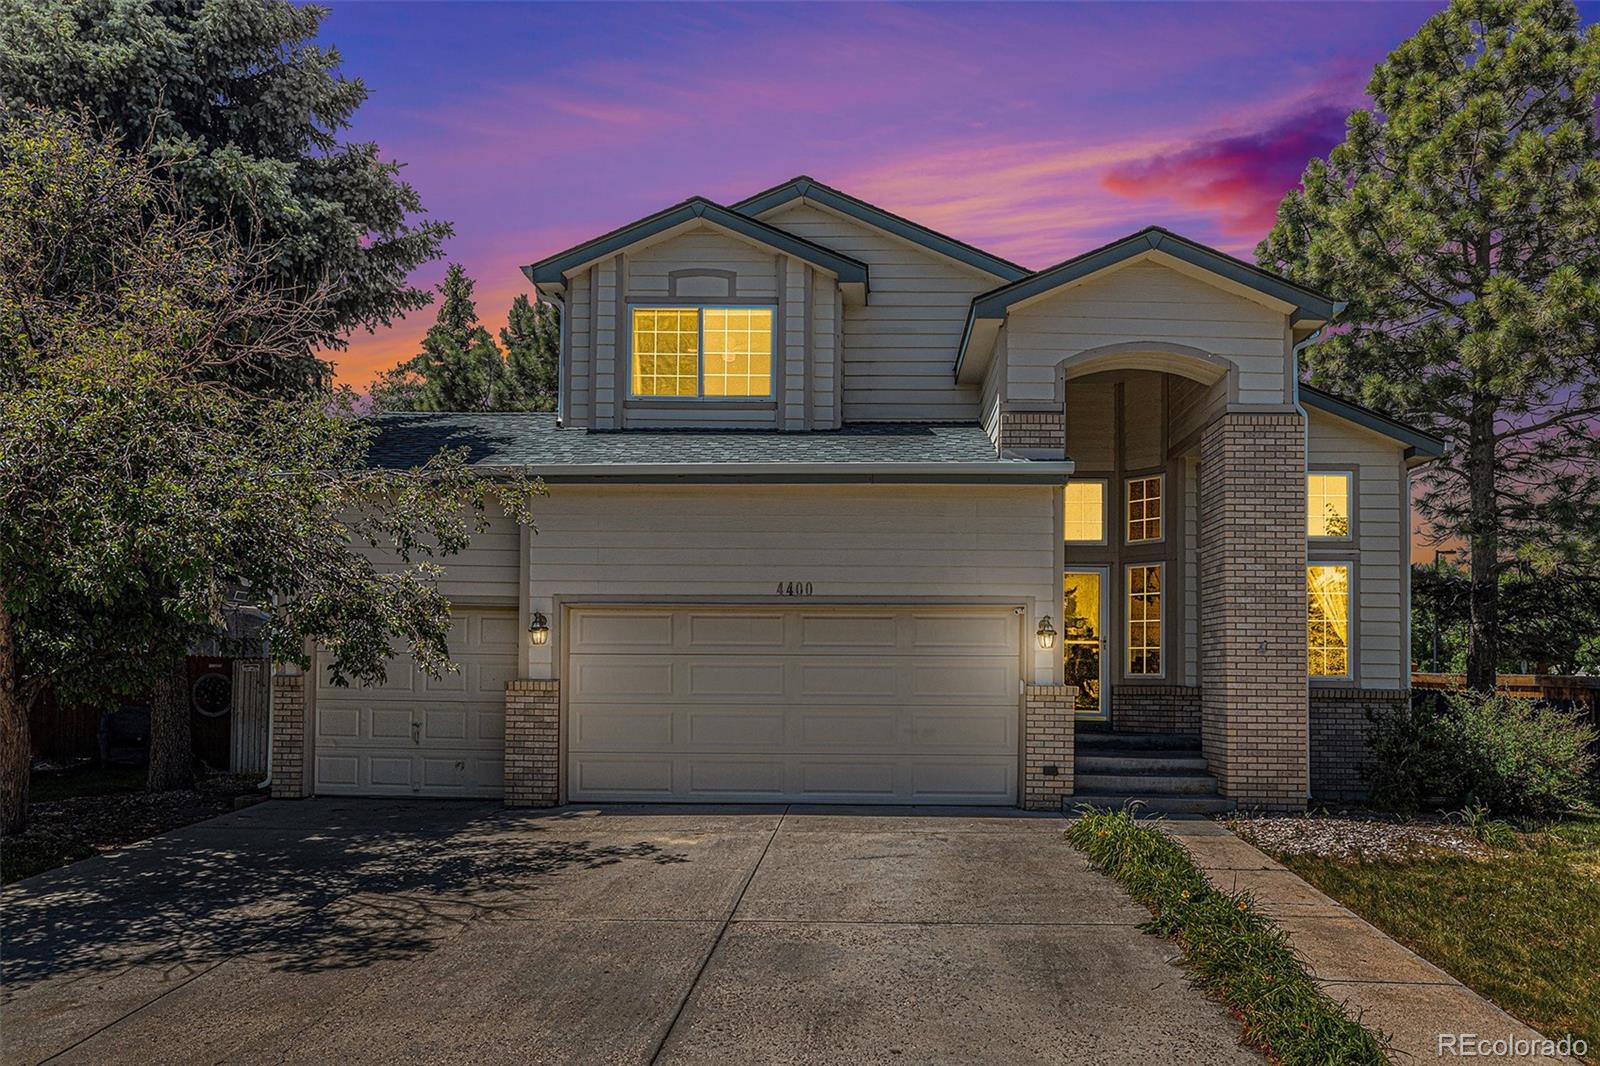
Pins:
x: 1461, y: 220
x: 459, y: 367
x: 1550, y: 619
x: 1504, y: 754
x: 532, y: 341
x: 245, y: 111
x: 1234, y: 951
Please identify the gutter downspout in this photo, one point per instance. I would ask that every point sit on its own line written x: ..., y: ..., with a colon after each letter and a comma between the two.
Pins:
x: 1305, y: 422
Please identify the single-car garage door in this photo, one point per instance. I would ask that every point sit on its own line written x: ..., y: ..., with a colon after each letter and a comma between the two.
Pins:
x: 823, y: 704
x: 421, y: 736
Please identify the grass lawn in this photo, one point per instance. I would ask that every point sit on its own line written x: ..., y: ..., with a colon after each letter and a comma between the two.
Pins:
x: 1521, y: 926
x: 81, y: 811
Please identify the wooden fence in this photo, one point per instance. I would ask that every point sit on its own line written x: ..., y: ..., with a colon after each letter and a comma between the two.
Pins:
x: 1580, y: 693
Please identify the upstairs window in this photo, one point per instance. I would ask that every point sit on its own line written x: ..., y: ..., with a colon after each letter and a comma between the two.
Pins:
x: 1085, y: 512
x: 702, y: 352
x: 1328, y: 506
x: 1144, y: 509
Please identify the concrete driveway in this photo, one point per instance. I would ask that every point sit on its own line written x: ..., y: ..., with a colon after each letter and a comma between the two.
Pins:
x: 371, y: 931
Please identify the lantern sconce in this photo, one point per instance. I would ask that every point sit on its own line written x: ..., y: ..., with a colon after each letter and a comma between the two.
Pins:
x: 1046, y: 633
x: 539, y: 629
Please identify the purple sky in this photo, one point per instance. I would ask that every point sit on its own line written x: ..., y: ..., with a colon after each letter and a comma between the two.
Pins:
x: 1035, y: 131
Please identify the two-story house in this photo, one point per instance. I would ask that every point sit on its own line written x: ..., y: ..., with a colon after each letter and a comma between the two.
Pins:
x: 845, y: 510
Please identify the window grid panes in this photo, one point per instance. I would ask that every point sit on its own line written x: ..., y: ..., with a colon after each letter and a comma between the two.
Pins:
x: 1328, y: 620
x: 1085, y: 512
x: 666, y: 351
x: 1144, y: 509
x: 1144, y: 620
x: 1328, y: 505
x: 738, y: 343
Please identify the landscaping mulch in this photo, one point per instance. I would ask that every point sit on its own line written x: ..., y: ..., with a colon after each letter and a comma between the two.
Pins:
x: 1359, y: 836
x: 68, y: 829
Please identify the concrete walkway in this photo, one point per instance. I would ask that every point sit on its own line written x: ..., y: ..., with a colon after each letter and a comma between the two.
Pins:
x: 394, y: 932
x: 1386, y: 985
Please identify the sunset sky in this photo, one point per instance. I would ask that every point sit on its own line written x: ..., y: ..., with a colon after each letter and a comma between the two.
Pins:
x: 1035, y: 131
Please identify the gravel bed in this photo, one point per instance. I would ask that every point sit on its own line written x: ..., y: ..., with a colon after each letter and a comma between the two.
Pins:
x: 1359, y: 836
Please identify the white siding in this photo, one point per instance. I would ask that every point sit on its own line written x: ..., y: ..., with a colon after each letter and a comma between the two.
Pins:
x: 704, y: 248
x: 1381, y: 524
x: 1147, y: 302
x: 485, y: 573
x: 900, y: 347
x: 824, y: 351
x: 993, y: 394
x: 854, y: 544
x: 580, y: 327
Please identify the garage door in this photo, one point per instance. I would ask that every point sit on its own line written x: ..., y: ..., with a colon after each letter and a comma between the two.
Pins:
x: 824, y: 705
x: 421, y: 736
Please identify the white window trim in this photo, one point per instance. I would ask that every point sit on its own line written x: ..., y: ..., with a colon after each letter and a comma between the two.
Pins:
x: 1127, y: 482
x: 1349, y: 503
x: 700, y: 350
x: 1105, y: 514
x: 1127, y: 623
x: 1349, y: 674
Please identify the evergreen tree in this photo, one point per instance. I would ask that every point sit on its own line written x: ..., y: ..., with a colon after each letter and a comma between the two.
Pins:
x: 532, y: 340
x: 1461, y: 220
x: 459, y: 366
x: 244, y: 110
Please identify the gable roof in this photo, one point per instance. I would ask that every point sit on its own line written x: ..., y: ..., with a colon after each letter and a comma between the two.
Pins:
x: 808, y: 188
x: 1309, y: 306
x: 1418, y: 444
x: 551, y: 271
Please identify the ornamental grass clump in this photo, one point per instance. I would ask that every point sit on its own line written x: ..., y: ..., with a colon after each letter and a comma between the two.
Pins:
x: 1234, y: 951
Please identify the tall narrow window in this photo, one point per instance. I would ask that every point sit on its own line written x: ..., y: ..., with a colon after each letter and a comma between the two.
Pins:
x: 1328, y: 620
x: 1144, y: 509
x: 1085, y: 512
x: 1328, y: 506
x: 698, y: 352
x: 1144, y: 620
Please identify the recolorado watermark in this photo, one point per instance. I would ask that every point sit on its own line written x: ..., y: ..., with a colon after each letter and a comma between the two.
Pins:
x: 1475, y: 1045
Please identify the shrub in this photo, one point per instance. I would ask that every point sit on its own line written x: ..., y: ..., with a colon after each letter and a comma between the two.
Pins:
x: 1234, y: 951
x: 1510, y: 755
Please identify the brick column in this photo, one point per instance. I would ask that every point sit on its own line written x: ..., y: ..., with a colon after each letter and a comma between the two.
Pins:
x: 1049, y: 722
x: 290, y: 767
x: 1035, y: 434
x: 533, y: 743
x: 1253, y: 607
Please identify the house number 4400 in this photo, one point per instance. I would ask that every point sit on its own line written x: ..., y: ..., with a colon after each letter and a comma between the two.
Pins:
x: 794, y: 588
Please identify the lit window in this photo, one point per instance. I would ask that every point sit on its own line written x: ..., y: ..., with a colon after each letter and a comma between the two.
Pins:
x: 1328, y: 505
x: 1144, y: 620
x: 1328, y: 620
x: 668, y: 343
x: 1086, y: 512
x: 1144, y: 509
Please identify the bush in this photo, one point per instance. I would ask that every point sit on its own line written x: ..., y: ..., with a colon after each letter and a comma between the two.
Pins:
x: 1510, y: 755
x: 1234, y: 951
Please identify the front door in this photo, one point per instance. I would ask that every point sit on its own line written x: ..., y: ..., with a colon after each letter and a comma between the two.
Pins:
x: 1083, y: 644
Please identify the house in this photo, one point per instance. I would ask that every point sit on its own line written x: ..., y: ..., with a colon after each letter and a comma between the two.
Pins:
x: 845, y: 510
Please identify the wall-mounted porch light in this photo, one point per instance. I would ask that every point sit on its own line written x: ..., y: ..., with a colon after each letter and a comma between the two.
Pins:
x: 539, y: 629
x: 1046, y: 633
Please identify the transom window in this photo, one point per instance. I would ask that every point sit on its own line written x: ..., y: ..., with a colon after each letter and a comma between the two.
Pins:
x: 1085, y: 512
x: 1328, y: 620
x: 1328, y: 506
x: 1144, y: 620
x: 1144, y: 509
x: 702, y: 352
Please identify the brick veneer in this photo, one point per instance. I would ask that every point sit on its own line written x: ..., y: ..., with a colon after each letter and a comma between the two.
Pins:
x: 533, y: 743
x: 1340, y: 729
x: 1253, y: 607
x: 290, y: 779
x: 1155, y: 709
x: 1049, y: 723
x: 1034, y: 431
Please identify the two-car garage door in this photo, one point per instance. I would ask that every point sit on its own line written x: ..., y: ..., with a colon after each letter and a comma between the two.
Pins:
x: 825, y: 704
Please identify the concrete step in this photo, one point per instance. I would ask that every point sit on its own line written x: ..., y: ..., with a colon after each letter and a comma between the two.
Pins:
x: 1086, y: 740
x: 1149, y: 804
x: 1160, y: 784
x: 1135, y: 761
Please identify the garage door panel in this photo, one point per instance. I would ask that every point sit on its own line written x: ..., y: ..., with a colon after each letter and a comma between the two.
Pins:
x: 622, y: 630
x: 720, y: 676
x: 965, y: 634
x: 614, y: 677
x: 831, y: 678
x: 622, y: 728
x: 854, y: 634
x: 727, y: 777
x: 444, y: 724
x: 994, y: 732
x: 981, y: 679
x: 339, y: 722
x: 849, y: 729
x: 389, y: 723
x: 622, y: 775
x: 953, y: 781
x: 717, y: 631
x: 737, y: 727
x: 824, y: 779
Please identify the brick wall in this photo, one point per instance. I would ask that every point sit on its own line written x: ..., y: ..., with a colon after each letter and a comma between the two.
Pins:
x: 533, y: 743
x: 1339, y: 738
x: 1155, y: 709
x: 1034, y: 431
x: 1049, y: 722
x: 290, y: 767
x: 1253, y: 607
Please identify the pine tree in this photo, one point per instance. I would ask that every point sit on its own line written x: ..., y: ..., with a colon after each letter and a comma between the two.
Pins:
x: 460, y: 365
x: 1461, y: 220
x: 532, y: 340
